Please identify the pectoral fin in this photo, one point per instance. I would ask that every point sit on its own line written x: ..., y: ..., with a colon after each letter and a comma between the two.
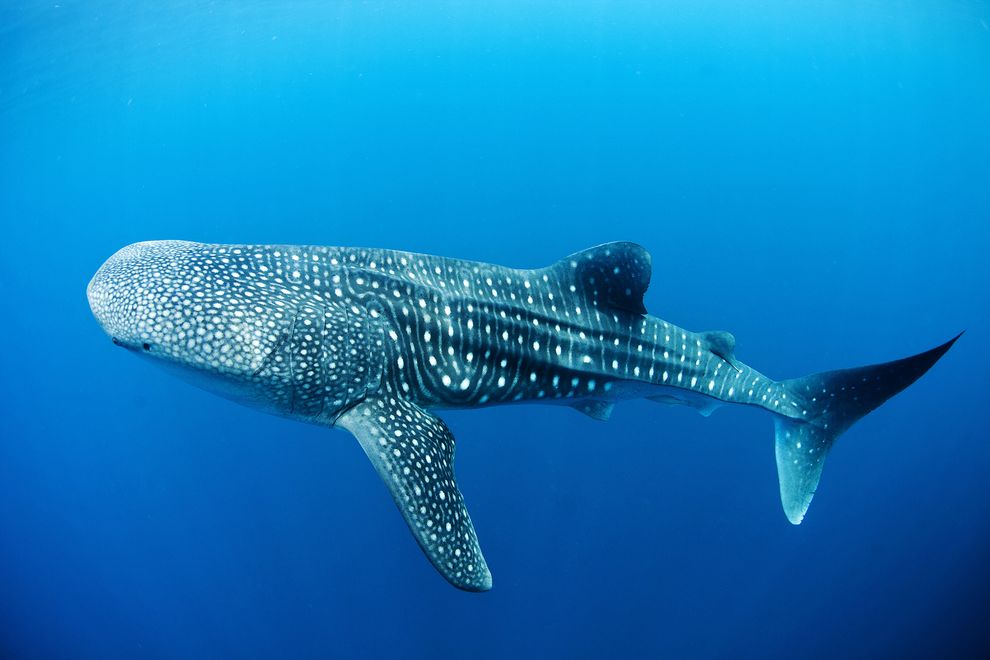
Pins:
x: 413, y: 452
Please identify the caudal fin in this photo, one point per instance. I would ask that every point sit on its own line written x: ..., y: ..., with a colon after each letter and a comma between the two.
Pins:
x: 834, y: 401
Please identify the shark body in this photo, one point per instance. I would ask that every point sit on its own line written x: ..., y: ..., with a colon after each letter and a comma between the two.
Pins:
x: 373, y: 341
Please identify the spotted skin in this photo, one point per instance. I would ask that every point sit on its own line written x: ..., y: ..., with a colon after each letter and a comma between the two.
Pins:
x: 373, y: 340
x: 413, y: 452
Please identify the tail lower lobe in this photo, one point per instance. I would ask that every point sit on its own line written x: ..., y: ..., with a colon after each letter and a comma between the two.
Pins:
x: 834, y: 401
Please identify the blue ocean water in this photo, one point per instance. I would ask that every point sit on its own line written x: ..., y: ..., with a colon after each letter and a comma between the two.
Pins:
x: 812, y: 177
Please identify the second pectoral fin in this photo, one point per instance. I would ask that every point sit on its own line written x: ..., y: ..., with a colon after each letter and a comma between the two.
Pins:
x: 413, y: 452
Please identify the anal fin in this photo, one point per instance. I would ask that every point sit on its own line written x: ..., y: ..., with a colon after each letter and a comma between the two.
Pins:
x: 595, y: 408
x: 703, y: 404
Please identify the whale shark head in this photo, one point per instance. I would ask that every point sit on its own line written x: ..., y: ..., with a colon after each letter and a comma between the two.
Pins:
x: 179, y: 304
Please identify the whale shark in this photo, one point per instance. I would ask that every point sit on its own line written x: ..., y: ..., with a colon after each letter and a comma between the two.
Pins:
x: 377, y: 341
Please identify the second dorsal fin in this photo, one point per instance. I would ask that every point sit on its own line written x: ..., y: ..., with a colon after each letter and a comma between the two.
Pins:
x: 612, y: 276
x: 722, y: 344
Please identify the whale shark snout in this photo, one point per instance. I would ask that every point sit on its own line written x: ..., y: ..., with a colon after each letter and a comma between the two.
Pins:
x: 124, y: 294
x: 182, y: 305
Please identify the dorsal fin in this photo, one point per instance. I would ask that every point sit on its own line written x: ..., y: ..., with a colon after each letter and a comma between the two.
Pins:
x: 613, y: 275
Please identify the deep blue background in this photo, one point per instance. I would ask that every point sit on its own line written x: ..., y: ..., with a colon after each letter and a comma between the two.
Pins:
x: 814, y: 177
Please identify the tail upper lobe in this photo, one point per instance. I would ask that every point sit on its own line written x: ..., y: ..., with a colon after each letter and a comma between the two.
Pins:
x: 834, y: 401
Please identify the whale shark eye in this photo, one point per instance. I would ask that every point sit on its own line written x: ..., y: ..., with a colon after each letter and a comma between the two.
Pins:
x: 146, y: 346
